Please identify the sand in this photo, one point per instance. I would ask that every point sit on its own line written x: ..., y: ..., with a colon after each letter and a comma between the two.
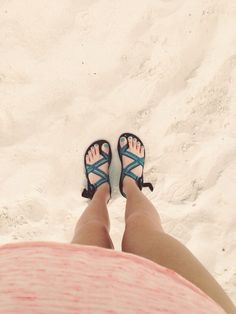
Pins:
x: 72, y: 72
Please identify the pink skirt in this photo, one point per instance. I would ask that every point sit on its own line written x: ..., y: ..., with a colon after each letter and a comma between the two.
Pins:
x: 59, y: 278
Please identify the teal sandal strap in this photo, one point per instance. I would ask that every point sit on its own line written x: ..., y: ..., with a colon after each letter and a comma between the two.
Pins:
x: 131, y: 175
x: 134, y: 164
x: 94, y: 169
x: 97, y: 164
x: 98, y: 172
x: 140, y: 160
x: 100, y: 182
x: 127, y: 171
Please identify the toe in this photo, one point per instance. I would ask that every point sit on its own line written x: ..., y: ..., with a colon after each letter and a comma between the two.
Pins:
x: 142, y: 151
x: 134, y: 142
x: 90, y: 155
x: 93, y: 151
x: 123, y: 141
x: 87, y: 159
x: 96, y: 148
x: 105, y: 147
x: 138, y: 145
x: 96, y: 153
x: 130, y: 141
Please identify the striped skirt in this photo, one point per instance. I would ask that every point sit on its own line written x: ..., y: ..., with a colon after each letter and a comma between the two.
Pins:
x: 60, y: 278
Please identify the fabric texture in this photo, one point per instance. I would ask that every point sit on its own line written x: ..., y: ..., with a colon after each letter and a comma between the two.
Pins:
x: 60, y: 278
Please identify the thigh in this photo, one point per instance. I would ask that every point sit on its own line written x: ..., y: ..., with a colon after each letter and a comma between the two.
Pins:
x: 93, y: 233
x: 142, y: 238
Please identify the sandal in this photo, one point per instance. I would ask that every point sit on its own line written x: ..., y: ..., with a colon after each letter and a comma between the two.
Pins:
x: 94, y: 168
x: 138, y: 161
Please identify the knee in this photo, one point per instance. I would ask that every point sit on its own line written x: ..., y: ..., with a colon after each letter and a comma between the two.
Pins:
x: 140, y: 229
x: 138, y: 221
x: 93, y: 233
x: 136, y: 228
x: 93, y: 226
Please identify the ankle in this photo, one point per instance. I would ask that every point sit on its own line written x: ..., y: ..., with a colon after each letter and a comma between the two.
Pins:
x: 103, y: 191
x: 129, y: 185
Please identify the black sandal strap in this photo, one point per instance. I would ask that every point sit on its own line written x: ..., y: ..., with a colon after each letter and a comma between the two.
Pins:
x: 141, y: 184
x: 89, y: 193
x: 148, y: 185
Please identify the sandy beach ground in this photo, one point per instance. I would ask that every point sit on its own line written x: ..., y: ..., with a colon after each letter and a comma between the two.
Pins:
x: 74, y: 71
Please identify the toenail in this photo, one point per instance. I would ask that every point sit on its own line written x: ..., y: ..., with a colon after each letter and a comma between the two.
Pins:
x: 135, y: 139
x: 96, y: 145
x: 122, y: 139
x: 130, y: 138
x: 106, y: 145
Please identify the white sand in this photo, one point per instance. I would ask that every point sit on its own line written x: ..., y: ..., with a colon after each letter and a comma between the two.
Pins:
x: 73, y: 71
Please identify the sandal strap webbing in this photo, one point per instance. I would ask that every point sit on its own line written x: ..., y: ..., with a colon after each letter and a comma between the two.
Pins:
x: 88, y: 193
x: 97, y: 164
x: 127, y: 171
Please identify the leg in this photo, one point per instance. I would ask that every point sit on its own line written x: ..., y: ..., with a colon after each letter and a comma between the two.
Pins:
x: 145, y: 236
x: 93, y: 226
